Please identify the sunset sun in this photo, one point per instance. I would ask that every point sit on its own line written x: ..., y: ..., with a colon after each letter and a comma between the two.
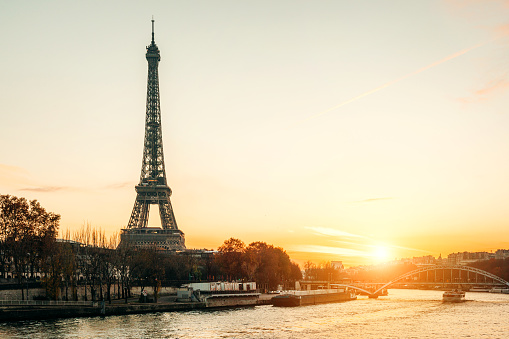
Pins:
x: 380, y: 253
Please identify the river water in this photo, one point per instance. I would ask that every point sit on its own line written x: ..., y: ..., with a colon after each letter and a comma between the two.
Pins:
x: 401, y: 314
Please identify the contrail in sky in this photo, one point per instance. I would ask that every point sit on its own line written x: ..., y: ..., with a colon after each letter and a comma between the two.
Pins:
x: 452, y: 56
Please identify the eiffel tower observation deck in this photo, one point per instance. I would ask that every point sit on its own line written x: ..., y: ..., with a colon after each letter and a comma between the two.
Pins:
x: 153, y: 189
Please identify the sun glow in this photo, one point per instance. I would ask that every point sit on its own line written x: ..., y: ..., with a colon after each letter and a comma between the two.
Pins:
x: 380, y: 253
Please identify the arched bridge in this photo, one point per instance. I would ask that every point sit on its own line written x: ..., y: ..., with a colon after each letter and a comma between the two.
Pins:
x: 465, y: 280
x: 441, y: 274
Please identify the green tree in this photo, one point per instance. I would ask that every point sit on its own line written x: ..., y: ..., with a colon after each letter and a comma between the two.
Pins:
x: 230, y: 258
x: 273, y: 266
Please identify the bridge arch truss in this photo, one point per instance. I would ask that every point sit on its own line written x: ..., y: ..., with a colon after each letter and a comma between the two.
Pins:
x: 442, y: 268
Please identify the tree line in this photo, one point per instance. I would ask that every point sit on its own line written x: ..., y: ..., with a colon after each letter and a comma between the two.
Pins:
x: 324, y: 271
x: 269, y: 266
x: 498, y: 267
x: 89, y: 261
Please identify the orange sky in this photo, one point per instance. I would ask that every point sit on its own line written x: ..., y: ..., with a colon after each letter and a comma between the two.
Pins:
x: 336, y: 130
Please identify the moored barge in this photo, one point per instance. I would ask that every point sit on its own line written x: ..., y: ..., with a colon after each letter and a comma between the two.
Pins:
x: 301, y: 298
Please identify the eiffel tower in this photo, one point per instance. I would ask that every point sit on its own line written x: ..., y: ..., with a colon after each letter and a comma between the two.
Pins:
x: 153, y: 189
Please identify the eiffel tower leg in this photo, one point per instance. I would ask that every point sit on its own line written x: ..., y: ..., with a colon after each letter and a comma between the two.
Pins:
x: 144, y: 215
x: 166, y: 213
x: 139, y: 216
x: 135, y: 215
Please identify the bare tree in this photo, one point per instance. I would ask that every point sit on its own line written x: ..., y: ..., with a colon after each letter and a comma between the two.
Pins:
x: 109, y: 270
x: 149, y: 267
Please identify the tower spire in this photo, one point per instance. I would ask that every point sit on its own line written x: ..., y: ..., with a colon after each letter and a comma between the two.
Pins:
x: 153, y: 42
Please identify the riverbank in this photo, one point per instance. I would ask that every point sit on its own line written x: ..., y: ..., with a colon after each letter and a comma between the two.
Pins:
x: 17, y: 312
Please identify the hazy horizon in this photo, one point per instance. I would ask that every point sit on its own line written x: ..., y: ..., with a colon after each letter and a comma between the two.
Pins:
x: 337, y: 130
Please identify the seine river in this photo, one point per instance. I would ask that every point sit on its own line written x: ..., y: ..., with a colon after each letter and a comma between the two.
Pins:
x: 401, y: 314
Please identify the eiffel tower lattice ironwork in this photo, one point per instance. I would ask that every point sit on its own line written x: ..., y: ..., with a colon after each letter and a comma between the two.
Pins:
x: 152, y: 188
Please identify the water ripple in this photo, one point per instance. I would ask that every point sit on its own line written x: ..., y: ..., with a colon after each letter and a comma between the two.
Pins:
x: 403, y: 314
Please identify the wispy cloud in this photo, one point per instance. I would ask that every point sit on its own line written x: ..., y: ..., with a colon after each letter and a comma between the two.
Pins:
x: 333, y: 232
x: 392, y: 82
x: 350, y: 243
x: 12, y: 176
x: 493, y: 86
x: 12, y: 169
x: 340, y: 251
x: 343, y: 243
x: 372, y: 200
x: 371, y: 246
x: 483, y: 13
x: 34, y: 187
x: 469, y: 4
x: 16, y: 178
x: 47, y: 189
x: 502, y: 30
x: 491, y: 89
x: 120, y: 185
x: 330, y: 250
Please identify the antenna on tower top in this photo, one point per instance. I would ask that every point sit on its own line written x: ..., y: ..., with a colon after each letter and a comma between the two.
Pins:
x: 152, y: 29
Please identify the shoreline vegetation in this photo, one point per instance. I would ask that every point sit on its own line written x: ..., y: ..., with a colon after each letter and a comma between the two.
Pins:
x: 87, y: 266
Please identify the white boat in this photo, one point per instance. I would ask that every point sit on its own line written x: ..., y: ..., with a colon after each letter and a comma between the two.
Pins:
x: 453, y: 296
